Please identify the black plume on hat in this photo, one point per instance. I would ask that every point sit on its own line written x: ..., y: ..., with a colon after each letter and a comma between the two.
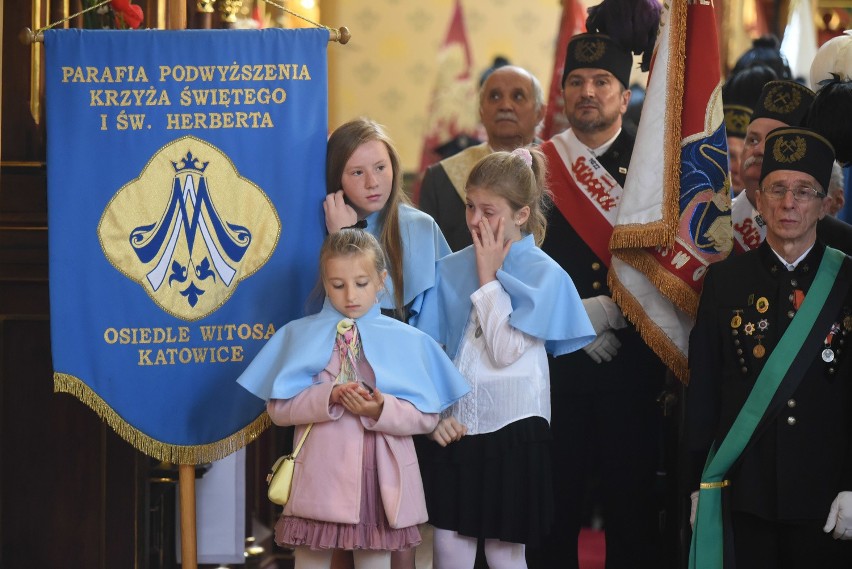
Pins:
x: 764, y: 51
x: 785, y: 101
x: 831, y: 115
x: 739, y: 96
x: 632, y: 24
x: 799, y: 149
x: 744, y: 87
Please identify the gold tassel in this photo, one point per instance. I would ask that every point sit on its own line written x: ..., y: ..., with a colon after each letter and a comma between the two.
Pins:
x: 176, y: 454
x: 651, y: 334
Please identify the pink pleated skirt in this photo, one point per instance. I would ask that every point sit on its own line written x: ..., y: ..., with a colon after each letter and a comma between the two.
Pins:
x: 372, y: 532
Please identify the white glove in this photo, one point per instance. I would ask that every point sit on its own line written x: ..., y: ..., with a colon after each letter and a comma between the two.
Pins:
x: 692, y: 508
x: 604, y: 347
x: 840, y: 517
x: 604, y: 313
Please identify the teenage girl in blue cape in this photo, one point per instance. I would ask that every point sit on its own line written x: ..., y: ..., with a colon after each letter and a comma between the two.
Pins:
x: 364, y: 186
x: 498, y: 307
x: 366, y: 382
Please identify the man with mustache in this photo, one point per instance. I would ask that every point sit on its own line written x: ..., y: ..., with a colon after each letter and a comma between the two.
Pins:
x: 511, y: 105
x: 739, y: 94
x: 605, y: 419
x: 781, y: 103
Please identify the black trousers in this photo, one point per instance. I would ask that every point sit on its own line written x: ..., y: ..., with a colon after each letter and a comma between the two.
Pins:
x: 612, y: 439
x: 763, y: 544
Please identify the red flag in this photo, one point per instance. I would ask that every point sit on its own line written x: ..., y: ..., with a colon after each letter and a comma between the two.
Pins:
x: 674, y: 217
x: 454, y: 109
x: 257, y: 15
x: 573, y: 22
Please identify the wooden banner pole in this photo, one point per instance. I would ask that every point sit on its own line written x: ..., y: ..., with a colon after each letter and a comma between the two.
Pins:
x: 188, y: 545
x: 176, y: 16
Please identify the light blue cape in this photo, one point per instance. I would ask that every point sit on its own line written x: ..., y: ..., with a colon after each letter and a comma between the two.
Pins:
x: 423, y: 244
x: 408, y: 363
x: 545, y: 303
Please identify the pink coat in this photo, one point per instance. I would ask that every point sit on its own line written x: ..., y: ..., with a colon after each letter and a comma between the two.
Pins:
x: 327, y: 477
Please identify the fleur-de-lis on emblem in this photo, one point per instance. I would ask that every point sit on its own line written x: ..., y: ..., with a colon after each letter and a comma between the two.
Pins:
x: 788, y: 151
x: 189, y: 228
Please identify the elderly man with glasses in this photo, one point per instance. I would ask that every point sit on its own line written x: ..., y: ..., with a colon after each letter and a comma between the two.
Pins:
x: 769, y: 403
x: 781, y: 103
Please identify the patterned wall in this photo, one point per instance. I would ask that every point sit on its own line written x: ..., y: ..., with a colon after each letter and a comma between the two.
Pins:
x: 388, y: 69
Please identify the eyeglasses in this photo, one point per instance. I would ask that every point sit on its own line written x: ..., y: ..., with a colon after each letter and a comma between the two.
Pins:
x: 800, y: 193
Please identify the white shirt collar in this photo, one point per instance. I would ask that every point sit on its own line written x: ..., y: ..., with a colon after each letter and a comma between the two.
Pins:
x: 792, y: 266
x: 605, y: 146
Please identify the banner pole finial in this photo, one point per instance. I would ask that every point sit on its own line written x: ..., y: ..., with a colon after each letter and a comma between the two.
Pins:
x: 29, y: 37
x: 340, y: 35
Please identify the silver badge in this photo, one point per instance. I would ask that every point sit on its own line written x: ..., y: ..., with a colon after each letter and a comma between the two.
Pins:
x: 828, y: 355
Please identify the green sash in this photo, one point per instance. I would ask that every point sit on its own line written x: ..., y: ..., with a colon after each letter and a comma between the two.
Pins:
x: 706, y: 550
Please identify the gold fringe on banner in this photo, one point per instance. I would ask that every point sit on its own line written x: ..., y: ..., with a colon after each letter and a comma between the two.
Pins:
x: 628, y: 242
x: 674, y: 112
x: 674, y: 289
x: 176, y: 454
x: 651, y: 334
x: 663, y: 232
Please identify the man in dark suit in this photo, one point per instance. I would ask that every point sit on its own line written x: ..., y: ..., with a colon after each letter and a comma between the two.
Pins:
x: 511, y: 104
x: 605, y: 419
x: 771, y: 383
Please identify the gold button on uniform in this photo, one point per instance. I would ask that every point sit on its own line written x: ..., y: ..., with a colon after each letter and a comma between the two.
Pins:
x: 791, y: 421
x: 596, y: 266
x: 791, y: 403
x: 596, y: 285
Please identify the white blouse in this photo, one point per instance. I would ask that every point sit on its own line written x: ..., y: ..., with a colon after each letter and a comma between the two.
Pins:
x: 506, y: 368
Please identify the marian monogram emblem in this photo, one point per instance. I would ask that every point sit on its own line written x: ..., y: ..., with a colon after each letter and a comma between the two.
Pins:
x: 588, y: 51
x: 787, y: 151
x: 189, y: 228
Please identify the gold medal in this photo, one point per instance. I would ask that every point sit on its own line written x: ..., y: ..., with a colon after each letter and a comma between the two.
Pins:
x: 759, y: 351
x: 762, y: 304
x: 736, y: 321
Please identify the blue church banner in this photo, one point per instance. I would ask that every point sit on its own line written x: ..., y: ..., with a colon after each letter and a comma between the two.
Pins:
x: 185, y: 175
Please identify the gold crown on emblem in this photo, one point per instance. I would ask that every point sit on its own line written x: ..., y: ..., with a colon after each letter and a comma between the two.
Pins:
x: 589, y: 50
x: 782, y: 100
x: 787, y: 151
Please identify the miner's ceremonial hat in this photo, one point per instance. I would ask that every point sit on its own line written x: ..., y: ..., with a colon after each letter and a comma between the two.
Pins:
x: 799, y: 149
x: 598, y: 51
x: 785, y: 101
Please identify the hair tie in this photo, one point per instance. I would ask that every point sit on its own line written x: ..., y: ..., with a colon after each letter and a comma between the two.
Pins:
x: 524, y: 155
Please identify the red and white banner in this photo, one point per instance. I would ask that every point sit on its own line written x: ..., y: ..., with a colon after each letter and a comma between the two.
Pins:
x: 454, y: 109
x: 573, y: 22
x: 674, y: 218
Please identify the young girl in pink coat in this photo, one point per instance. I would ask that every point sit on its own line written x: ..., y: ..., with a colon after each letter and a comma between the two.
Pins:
x: 367, y: 382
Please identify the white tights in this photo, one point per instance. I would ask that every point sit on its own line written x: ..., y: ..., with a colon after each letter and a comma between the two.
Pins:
x: 454, y: 551
x: 307, y: 558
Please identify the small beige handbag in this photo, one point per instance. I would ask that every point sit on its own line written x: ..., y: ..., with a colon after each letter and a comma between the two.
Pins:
x: 280, y: 477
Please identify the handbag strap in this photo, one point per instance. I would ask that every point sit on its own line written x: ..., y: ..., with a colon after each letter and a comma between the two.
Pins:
x: 302, y: 440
